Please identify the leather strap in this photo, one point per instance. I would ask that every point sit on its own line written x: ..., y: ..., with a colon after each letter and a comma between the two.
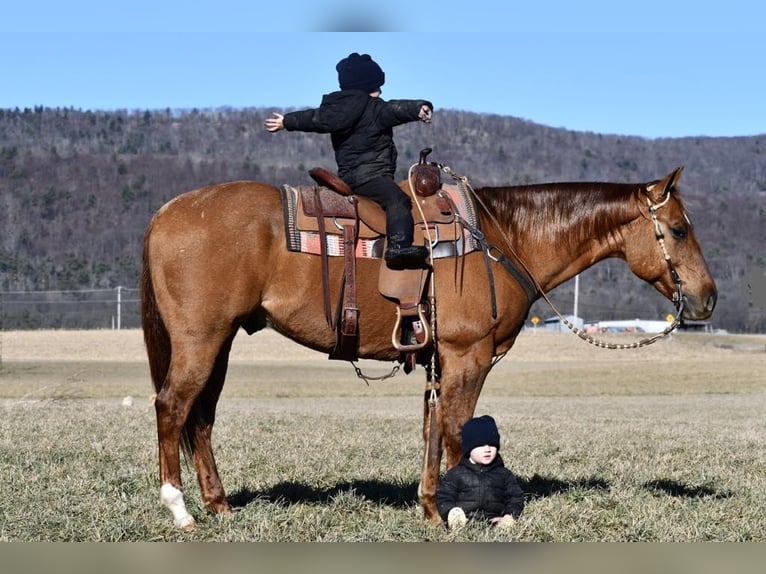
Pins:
x: 349, y: 248
x: 347, y: 330
x: 323, y: 258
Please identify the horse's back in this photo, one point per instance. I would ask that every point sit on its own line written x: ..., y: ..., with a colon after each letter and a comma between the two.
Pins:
x: 234, y: 202
x: 210, y: 220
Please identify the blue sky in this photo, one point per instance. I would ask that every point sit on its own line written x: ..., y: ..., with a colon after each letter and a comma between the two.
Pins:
x: 653, y: 68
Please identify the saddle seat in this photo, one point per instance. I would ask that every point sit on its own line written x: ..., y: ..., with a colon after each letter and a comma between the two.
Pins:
x: 434, y: 215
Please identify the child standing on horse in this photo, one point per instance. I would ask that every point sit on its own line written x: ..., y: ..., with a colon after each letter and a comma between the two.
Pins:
x: 360, y: 124
x: 480, y: 487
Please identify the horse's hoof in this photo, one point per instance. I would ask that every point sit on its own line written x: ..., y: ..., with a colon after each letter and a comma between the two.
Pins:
x: 185, y: 523
x: 219, y: 508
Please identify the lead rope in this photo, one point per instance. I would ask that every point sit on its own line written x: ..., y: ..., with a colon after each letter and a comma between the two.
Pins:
x: 678, y: 298
x: 432, y: 371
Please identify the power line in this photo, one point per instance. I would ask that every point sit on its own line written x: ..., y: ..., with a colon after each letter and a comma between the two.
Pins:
x: 82, y: 302
x: 61, y: 292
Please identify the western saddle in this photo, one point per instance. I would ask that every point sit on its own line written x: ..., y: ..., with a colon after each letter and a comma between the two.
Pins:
x: 354, y: 226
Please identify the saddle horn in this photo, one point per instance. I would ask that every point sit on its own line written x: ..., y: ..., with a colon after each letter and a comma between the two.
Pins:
x: 427, y: 178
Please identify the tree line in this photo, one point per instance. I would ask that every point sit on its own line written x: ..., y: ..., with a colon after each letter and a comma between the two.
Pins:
x: 78, y: 187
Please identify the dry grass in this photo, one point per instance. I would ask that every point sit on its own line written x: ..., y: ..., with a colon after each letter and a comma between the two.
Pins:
x: 660, y: 444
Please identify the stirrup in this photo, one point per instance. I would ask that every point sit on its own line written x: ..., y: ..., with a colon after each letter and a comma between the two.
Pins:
x: 396, y: 335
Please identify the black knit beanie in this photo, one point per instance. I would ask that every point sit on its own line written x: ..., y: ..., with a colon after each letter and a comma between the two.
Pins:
x: 478, y: 432
x: 360, y: 73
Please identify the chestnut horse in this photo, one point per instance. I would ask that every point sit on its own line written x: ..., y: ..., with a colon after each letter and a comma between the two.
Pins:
x: 215, y: 260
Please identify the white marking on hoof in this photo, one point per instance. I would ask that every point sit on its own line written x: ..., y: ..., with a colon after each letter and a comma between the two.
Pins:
x: 173, y: 498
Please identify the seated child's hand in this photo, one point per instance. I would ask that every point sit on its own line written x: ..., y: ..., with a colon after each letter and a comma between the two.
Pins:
x: 504, y: 522
x: 456, y: 518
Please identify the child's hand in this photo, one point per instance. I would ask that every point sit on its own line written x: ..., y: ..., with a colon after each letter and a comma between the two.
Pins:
x: 275, y: 124
x: 425, y: 114
x: 456, y: 518
x: 504, y: 522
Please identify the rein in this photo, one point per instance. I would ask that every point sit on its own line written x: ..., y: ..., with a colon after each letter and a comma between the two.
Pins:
x: 678, y: 298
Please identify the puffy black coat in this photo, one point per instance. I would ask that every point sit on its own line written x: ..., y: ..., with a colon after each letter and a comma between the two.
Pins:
x: 482, y: 491
x: 361, y: 129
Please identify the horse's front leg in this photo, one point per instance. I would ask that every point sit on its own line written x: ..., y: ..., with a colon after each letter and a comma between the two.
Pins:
x: 462, y: 378
x: 432, y: 437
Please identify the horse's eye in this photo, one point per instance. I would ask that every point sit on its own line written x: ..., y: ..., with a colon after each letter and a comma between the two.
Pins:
x: 678, y: 233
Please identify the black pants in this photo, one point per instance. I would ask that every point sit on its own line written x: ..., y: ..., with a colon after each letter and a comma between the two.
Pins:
x: 397, y: 205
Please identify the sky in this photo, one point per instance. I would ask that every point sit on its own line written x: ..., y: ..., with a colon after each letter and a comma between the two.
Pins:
x: 655, y: 68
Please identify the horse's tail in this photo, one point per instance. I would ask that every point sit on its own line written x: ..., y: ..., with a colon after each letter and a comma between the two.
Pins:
x: 156, y: 336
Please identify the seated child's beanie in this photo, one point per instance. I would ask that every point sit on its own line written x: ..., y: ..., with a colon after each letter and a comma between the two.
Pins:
x: 478, y: 432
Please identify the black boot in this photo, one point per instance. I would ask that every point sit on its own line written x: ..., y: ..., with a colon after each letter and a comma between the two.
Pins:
x: 400, y: 255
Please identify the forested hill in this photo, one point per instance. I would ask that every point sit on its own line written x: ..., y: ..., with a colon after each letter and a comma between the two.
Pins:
x: 77, y: 189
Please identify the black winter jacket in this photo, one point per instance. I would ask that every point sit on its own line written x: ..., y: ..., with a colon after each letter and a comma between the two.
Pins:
x: 482, y: 491
x: 361, y: 131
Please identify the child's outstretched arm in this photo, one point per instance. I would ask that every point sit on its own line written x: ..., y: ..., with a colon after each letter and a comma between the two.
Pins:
x: 398, y: 112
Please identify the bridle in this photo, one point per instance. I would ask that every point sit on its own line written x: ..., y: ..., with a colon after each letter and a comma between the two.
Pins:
x: 678, y: 296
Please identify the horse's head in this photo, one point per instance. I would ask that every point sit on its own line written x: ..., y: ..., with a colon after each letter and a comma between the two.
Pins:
x: 674, y: 259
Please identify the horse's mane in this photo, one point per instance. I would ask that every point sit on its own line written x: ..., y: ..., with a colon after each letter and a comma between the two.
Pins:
x: 566, y: 212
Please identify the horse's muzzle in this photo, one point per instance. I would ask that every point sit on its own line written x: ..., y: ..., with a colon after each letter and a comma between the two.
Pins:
x: 699, y: 309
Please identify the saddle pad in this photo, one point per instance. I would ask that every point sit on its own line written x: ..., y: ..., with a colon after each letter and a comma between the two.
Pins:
x: 307, y: 241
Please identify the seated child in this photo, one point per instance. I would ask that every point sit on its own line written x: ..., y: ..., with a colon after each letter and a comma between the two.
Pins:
x: 480, y: 488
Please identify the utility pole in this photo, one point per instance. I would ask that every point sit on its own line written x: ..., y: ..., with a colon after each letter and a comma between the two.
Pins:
x: 576, y: 293
x: 119, y: 306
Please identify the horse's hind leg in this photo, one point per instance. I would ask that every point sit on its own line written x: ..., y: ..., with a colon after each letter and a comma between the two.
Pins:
x: 199, y: 430
x: 190, y: 369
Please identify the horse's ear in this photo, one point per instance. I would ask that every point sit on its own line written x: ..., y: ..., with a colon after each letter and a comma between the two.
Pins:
x: 659, y: 189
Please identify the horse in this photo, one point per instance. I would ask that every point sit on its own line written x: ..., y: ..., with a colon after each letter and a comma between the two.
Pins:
x: 215, y: 261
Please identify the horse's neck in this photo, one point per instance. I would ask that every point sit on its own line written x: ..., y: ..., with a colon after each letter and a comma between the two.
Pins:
x: 570, y: 253
x: 556, y: 248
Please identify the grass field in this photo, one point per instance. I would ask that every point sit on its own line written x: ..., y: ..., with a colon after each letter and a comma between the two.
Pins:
x: 664, y: 443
